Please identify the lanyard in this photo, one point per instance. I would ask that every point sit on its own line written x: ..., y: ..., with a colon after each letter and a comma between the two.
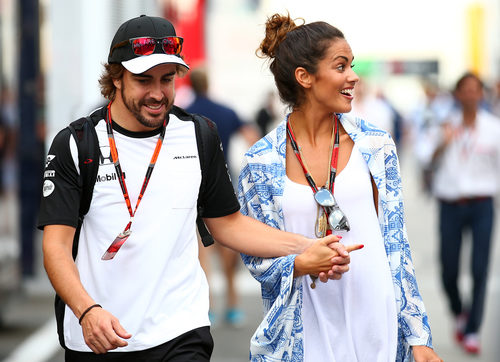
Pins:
x: 334, y: 149
x: 119, y: 173
x: 466, y: 141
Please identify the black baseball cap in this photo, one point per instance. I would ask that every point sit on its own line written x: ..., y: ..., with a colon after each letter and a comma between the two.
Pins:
x: 142, y: 26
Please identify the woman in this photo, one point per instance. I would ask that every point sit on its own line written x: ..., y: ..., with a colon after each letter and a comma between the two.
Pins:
x: 374, y: 312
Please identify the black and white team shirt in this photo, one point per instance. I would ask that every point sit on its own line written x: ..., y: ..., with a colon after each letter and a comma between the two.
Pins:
x: 154, y: 285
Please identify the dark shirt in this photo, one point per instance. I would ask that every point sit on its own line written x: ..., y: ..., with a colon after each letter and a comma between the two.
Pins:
x: 225, y: 118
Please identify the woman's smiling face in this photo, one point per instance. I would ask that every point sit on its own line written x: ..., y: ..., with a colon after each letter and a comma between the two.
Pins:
x: 333, y: 84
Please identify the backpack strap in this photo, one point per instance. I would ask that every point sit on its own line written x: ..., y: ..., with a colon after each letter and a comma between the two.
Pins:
x: 83, y: 131
x: 204, y: 129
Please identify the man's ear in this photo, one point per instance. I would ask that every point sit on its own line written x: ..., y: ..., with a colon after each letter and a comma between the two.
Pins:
x: 303, y: 77
x: 118, y: 83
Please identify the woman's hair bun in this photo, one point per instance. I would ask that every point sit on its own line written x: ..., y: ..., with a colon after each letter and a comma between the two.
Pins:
x: 277, y: 27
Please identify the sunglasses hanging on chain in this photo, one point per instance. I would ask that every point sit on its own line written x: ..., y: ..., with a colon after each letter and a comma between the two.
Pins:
x: 330, y: 216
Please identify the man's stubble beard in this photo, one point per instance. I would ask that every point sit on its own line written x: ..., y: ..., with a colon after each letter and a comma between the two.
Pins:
x: 135, y: 109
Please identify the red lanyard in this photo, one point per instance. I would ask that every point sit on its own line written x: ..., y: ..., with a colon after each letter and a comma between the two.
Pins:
x: 115, y: 246
x: 333, y: 161
x: 119, y: 173
x: 333, y: 166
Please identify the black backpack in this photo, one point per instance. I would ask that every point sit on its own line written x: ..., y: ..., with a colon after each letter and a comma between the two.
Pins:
x: 83, y: 130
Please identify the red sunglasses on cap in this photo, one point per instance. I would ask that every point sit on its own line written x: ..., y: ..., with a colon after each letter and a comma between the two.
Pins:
x: 171, y: 45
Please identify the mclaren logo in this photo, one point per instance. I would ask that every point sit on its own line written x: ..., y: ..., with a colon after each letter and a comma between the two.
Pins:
x: 183, y: 157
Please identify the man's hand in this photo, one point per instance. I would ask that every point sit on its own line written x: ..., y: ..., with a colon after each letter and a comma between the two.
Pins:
x: 340, y: 263
x: 102, y: 331
x: 326, y: 257
x: 425, y: 354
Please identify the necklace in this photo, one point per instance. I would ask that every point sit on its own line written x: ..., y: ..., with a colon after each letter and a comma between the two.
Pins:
x: 330, y: 184
x: 322, y: 226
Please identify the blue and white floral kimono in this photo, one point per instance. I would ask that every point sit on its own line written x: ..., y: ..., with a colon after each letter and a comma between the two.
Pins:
x: 280, y: 335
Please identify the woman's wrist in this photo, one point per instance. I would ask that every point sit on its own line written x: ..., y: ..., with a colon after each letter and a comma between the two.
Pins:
x: 301, y: 244
x: 297, y: 271
x: 300, y: 266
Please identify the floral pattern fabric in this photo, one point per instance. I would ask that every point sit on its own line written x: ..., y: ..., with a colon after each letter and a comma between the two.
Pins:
x: 280, y: 335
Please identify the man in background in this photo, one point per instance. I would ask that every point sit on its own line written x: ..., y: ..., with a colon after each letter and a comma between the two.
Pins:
x: 465, y: 155
x: 228, y: 125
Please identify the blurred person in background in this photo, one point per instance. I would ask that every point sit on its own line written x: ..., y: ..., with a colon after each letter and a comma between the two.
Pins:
x: 3, y: 143
x: 397, y: 119
x: 266, y: 115
x: 8, y: 112
x: 4, y: 286
x: 12, y: 267
x: 465, y: 154
x: 148, y: 299
x: 323, y: 171
x: 367, y: 105
x: 31, y: 164
x: 430, y: 112
x: 495, y: 99
x: 227, y: 120
x: 228, y: 125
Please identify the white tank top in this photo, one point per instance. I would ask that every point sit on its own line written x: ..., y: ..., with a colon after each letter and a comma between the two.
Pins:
x: 352, y: 319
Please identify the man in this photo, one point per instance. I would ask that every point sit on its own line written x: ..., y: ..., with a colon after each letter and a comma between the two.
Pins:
x: 465, y: 154
x: 227, y: 121
x: 228, y: 124
x: 146, y: 294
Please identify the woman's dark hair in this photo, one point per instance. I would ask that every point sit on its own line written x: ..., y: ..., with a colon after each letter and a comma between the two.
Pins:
x: 111, y: 72
x: 289, y: 46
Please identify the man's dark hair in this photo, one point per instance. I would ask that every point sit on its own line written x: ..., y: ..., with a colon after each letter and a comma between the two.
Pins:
x: 467, y: 75
x: 111, y: 72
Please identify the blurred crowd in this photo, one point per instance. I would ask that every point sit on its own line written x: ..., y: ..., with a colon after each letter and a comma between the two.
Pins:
x: 8, y: 136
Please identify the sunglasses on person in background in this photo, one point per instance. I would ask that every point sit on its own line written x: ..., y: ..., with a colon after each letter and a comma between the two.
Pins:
x: 171, y: 45
x: 336, y: 218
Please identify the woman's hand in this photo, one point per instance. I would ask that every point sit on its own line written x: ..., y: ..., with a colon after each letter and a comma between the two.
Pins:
x: 425, y: 354
x: 340, y: 263
x: 326, y: 257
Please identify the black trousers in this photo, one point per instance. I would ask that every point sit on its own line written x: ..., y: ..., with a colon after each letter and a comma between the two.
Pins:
x: 192, y: 346
x: 476, y: 215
